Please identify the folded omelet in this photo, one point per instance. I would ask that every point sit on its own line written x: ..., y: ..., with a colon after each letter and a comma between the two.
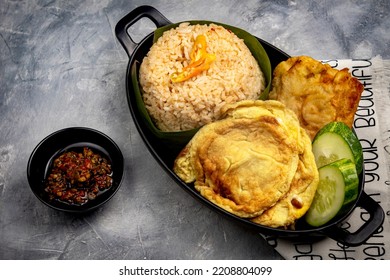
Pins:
x: 317, y: 93
x: 298, y: 199
x: 251, y: 160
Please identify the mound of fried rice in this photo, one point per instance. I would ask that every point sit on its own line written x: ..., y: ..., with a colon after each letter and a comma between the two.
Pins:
x: 233, y: 76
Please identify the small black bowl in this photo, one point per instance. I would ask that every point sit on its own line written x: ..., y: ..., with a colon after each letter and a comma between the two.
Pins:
x: 40, y: 161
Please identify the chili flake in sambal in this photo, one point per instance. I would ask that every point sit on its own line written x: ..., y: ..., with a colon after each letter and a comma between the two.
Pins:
x: 77, y: 177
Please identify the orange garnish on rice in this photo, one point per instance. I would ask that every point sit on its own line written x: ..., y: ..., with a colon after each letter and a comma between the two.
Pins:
x: 200, y: 61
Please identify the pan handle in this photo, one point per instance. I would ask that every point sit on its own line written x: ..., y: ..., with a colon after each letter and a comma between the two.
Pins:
x: 128, y: 20
x: 357, y: 238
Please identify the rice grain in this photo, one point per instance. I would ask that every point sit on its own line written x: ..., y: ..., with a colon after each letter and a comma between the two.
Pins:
x: 233, y: 76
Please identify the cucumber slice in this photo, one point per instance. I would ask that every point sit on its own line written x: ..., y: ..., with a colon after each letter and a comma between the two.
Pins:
x: 336, y: 141
x: 337, y: 188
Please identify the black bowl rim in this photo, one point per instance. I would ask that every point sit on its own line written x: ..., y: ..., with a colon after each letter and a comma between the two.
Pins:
x: 84, y: 208
x: 331, y: 229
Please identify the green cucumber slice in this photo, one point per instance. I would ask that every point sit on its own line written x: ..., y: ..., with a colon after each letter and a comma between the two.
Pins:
x: 338, y: 187
x: 336, y: 141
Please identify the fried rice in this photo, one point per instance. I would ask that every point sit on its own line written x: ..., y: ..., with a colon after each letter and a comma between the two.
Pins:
x: 233, y: 76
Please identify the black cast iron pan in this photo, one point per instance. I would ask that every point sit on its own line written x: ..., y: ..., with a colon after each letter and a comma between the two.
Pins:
x: 165, y: 152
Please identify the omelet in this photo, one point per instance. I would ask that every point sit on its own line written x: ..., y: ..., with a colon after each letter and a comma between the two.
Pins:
x: 316, y: 92
x: 250, y: 160
x: 297, y: 201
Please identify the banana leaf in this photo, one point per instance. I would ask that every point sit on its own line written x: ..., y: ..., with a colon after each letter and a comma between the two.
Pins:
x: 251, y: 42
